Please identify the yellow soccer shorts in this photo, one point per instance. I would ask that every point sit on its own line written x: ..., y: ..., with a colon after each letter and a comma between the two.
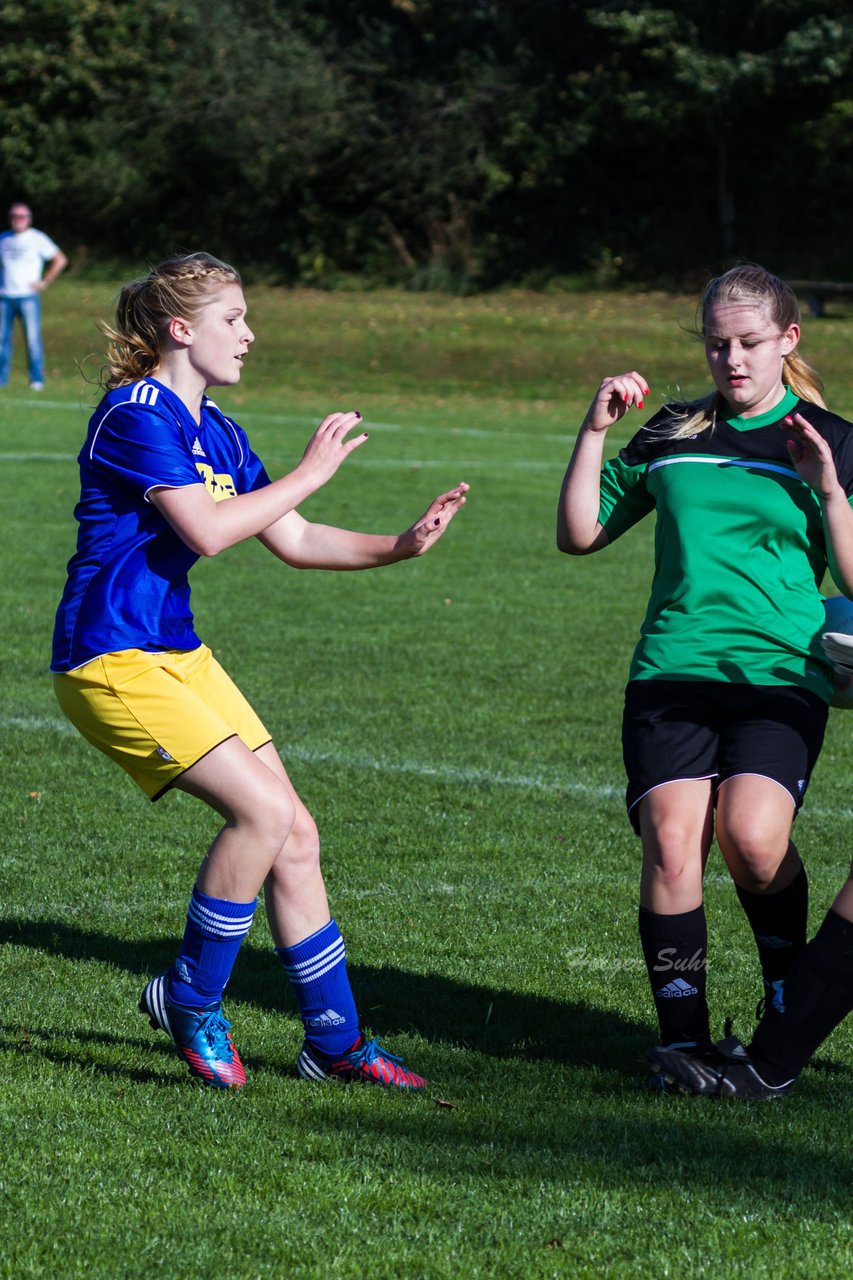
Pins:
x: 156, y: 714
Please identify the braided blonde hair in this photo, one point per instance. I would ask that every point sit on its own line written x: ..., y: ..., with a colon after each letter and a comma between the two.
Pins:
x: 754, y: 286
x: 179, y: 286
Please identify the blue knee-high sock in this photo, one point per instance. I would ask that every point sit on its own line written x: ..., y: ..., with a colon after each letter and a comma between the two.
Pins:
x: 317, y: 968
x: 215, y: 928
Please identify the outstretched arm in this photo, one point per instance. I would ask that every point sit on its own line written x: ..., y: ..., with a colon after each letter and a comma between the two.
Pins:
x: 812, y: 458
x: 578, y: 529
x: 208, y: 527
x: 305, y: 545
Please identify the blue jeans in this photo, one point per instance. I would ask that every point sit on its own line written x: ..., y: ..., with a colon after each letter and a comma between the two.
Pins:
x: 29, y: 310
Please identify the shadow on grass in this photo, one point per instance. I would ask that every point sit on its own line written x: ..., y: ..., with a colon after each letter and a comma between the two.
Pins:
x: 750, y: 1161
x: 595, y: 1129
x: 500, y: 1023
x: 489, y: 1020
x: 64, y: 1048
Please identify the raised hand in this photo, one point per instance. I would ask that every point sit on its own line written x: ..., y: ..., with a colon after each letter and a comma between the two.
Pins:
x: 614, y: 398
x: 329, y: 446
x: 424, y: 533
x: 811, y: 455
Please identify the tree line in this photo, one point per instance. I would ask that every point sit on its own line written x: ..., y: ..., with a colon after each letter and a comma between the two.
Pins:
x: 436, y: 143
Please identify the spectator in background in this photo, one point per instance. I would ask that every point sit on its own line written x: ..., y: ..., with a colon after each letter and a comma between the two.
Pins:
x: 24, y: 251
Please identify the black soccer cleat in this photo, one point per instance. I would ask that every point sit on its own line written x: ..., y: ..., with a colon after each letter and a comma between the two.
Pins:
x: 689, y: 1048
x: 723, y: 1072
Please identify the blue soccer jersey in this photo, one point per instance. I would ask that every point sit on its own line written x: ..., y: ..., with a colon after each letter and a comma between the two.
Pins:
x: 127, y: 584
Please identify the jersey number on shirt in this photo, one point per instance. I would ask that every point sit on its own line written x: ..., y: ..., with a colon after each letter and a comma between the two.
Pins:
x: 219, y: 487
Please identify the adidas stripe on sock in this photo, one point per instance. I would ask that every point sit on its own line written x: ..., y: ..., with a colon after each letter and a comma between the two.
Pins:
x: 214, y: 931
x: 317, y: 970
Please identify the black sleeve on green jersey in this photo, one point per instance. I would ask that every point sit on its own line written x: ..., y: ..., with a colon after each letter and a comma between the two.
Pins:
x: 843, y: 455
x: 624, y: 496
x: 838, y: 433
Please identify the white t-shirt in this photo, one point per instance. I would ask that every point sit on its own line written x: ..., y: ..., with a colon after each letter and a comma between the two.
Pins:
x: 22, y: 258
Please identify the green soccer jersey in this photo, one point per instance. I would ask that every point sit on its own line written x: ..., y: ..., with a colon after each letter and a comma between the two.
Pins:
x: 740, y: 550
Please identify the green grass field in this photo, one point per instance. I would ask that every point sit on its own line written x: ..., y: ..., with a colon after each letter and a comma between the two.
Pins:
x: 453, y: 724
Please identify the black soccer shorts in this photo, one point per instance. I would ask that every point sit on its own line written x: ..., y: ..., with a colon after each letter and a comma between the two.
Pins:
x: 674, y: 730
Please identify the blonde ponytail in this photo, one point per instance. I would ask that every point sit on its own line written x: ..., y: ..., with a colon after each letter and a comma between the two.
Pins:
x: 803, y: 380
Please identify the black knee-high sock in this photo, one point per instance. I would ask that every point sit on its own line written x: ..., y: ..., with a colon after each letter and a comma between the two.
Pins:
x: 779, y: 922
x: 675, y: 949
x: 818, y: 995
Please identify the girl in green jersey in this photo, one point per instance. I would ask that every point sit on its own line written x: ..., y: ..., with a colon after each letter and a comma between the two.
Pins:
x: 729, y: 689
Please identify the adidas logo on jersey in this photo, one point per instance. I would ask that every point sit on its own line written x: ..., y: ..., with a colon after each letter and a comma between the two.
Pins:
x: 197, y: 449
x: 676, y: 990
x: 327, y: 1019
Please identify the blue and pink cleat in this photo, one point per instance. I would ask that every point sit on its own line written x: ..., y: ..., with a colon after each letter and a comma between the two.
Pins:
x: 203, y: 1039
x: 365, y: 1063
x: 202, y: 1036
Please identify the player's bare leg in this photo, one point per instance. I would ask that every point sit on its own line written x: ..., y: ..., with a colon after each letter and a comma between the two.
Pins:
x: 312, y: 952
x: 675, y: 825
x: 186, y: 1002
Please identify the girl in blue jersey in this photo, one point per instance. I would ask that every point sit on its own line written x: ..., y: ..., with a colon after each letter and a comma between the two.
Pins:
x: 166, y: 477
x: 729, y: 689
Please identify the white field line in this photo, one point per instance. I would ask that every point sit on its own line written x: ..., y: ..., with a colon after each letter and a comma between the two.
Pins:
x: 394, y: 464
x: 293, y: 420
x: 38, y: 457
x: 416, y: 768
x: 309, y: 755
x: 34, y: 403
x: 466, y: 464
